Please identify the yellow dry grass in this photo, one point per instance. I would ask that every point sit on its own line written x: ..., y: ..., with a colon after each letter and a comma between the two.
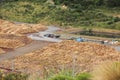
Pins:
x: 107, y: 71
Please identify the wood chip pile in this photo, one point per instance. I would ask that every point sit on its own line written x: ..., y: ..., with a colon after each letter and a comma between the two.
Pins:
x: 10, y: 27
x: 67, y: 53
x: 2, y: 51
x: 8, y: 43
x: 19, y: 37
x: 12, y: 34
x: 12, y: 41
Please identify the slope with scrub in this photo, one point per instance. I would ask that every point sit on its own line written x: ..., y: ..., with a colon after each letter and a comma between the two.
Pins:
x: 63, y: 13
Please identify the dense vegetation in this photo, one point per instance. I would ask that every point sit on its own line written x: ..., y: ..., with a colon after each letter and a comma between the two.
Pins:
x: 59, y: 76
x: 86, y: 3
x: 77, y: 13
x: 13, y: 76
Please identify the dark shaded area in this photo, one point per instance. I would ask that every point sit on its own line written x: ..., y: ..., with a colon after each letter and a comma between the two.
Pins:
x: 90, y: 32
x: 87, y: 3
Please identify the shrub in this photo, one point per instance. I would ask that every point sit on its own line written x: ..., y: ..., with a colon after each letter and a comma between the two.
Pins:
x: 110, y: 22
x: 83, y: 76
x: 15, y: 76
x: 61, y: 77
x: 116, y: 19
x: 107, y: 71
x: 78, y: 13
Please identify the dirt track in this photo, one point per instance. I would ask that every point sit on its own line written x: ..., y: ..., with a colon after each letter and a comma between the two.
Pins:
x: 36, y: 44
x: 25, y: 49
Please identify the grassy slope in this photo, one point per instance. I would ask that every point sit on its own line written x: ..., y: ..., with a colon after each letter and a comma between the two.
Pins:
x: 33, y: 12
x: 115, y: 12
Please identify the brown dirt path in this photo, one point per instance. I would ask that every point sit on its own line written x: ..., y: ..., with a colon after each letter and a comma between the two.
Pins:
x: 22, y: 50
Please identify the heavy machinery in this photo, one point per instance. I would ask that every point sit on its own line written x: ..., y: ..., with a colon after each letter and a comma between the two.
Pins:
x: 52, y: 35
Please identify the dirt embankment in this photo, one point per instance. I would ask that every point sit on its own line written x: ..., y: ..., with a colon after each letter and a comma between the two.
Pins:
x: 12, y: 34
x: 83, y: 56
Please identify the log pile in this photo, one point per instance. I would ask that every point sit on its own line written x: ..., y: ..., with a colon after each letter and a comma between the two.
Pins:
x: 83, y: 55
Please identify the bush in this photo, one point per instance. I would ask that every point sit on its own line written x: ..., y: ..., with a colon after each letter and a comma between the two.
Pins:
x: 15, y: 76
x: 110, y: 22
x: 83, y: 76
x: 61, y: 77
x: 116, y: 19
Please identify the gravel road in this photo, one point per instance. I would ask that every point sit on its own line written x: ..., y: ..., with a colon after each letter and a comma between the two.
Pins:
x: 22, y: 50
x: 40, y: 35
x: 117, y: 48
x: 39, y: 42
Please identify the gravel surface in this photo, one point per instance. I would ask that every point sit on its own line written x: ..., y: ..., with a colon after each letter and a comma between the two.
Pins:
x: 51, y: 30
x: 40, y: 35
x: 116, y: 47
x: 35, y: 45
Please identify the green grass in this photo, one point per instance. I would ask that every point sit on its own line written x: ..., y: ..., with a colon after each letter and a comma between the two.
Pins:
x: 67, y: 75
x: 111, y: 11
x: 13, y: 76
x: 61, y: 75
x: 83, y: 76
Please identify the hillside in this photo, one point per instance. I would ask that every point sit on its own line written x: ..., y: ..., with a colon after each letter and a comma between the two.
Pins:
x: 88, y: 13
